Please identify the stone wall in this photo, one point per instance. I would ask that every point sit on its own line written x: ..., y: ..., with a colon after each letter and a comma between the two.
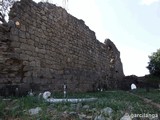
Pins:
x: 46, y: 47
x: 140, y: 82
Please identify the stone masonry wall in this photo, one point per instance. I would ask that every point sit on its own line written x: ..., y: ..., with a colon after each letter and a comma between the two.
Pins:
x: 48, y: 48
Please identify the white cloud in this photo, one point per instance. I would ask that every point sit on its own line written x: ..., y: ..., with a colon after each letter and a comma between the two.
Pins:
x: 148, y: 2
x: 134, y: 61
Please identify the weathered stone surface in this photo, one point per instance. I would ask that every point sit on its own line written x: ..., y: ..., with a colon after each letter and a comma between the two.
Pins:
x: 54, y: 48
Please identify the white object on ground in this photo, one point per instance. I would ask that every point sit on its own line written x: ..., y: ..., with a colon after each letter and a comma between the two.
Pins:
x: 126, y: 117
x: 133, y: 86
x: 46, y: 95
x: 107, y: 111
x: 34, y: 111
x: 30, y: 93
x: 52, y: 100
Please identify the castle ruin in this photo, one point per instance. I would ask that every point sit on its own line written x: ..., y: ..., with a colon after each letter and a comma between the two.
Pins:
x: 43, y: 47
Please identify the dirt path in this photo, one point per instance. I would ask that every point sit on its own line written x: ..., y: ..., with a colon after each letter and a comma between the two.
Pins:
x: 148, y: 101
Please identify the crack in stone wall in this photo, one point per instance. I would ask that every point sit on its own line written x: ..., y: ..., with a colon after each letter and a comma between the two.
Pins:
x: 51, y: 47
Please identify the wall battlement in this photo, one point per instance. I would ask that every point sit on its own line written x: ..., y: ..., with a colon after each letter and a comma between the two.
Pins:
x: 47, y: 47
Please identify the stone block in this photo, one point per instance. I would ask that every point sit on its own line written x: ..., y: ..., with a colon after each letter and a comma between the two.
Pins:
x: 15, y: 44
x: 27, y: 68
x: 15, y: 37
x: 33, y: 63
x: 14, y: 31
x: 22, y: 34
x: 24, y: 57
x: 28, y: 36
x: 24, y: 46
x: 26, y: 74
x: 23, y: 28
x: 22, y: 40
x: 30, y: 42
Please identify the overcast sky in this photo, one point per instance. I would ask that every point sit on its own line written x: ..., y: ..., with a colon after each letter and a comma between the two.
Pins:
x: 133, y: 25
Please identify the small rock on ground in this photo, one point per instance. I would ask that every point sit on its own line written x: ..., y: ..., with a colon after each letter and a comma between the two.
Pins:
x: 107, y: 111
x: 126, y: 117
x: 100, y: 117
x: 34, y: 111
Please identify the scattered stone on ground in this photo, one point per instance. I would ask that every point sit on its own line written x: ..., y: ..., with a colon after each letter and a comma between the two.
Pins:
x: 126, y: 117
x: 85, y: 107
x: 34, y: 111
x: 73, y: 107
x: 73, y: 111
x: 107, y: 111
x: 79, y: 106
x: 100, y: 117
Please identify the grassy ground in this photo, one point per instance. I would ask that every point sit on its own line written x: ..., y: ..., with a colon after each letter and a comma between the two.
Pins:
x: 154, y: 94
x: 120, y: 101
